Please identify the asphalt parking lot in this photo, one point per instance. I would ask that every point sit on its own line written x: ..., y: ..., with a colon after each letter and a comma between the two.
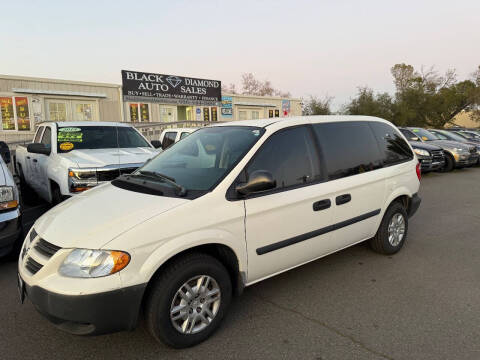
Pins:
x: 422, y: 303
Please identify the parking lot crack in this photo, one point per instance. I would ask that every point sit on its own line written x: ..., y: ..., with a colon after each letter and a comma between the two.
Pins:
x: 327, y: 326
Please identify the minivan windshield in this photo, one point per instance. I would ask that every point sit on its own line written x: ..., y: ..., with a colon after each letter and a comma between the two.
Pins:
x: 425, y: 135
x: 98, y: 137
x: 202, y: 159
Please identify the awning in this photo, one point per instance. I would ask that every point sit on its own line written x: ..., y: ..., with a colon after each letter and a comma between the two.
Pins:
x: 253, y: 104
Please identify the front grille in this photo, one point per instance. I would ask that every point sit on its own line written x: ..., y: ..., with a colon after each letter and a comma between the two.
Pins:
x: 32, y: 265
x: 473, y: 150
x: 45, y: 248
x: 109, y: 175
x: 438, y: 155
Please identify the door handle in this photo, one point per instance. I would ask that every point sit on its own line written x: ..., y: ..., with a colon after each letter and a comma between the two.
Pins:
x: 343, y: 199
x: 35, y: 160
x: 321, y: 205
x: 28, y: 157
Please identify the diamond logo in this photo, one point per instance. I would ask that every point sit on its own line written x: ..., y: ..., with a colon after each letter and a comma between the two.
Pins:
x: 174, y: 81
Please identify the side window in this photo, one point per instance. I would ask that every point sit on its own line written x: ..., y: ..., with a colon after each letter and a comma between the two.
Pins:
x: 349, y: 148
x: 290, y: 155
x: 38, y: 135
x: 168, y: 139
x: 184, y: 135
x: 47, y: 137
x: 393, y: 148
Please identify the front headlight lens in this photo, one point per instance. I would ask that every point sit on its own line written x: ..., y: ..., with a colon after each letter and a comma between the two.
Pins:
x: 85, y: 263
x: 421, y: 152
x: 7, y: 198
x: 82, y: 179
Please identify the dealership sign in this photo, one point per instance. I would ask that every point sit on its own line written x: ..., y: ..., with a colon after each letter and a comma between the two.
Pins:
x: 170, y: 89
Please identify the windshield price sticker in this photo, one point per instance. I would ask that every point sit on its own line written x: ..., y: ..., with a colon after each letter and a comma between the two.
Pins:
x: 66, y: 146
x: 70, y: 136
x: 69, y: 129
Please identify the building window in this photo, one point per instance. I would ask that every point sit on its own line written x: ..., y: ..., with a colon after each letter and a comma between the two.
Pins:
x: 139, y: 112
x: 255, y: 114
x: 83, y: 111
x: 242, y: 115
x: 57, y: 111
x: 15, y: 118
x: 23, y: 113
x: 8, y: 119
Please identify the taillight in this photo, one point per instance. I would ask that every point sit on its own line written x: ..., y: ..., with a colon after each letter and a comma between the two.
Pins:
x: 419, y: 172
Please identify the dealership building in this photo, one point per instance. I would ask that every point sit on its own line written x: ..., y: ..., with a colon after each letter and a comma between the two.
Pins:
x: 142, y: 98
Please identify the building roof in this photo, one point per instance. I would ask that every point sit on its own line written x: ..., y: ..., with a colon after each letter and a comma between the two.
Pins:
x: 58, y: 81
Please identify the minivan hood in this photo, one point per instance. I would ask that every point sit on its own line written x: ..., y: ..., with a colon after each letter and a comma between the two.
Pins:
x: 93, y: 218
x: 103, y: 157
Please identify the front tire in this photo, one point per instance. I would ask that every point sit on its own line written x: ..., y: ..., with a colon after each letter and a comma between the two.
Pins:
x: 392, y: 233
x: 188, y: 300
x: 449, y: 163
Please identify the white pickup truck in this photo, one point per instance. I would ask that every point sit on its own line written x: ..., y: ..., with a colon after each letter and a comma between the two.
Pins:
x: 67, y: 158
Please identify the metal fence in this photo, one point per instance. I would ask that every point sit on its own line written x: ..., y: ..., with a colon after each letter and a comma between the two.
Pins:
x: 152, y: 131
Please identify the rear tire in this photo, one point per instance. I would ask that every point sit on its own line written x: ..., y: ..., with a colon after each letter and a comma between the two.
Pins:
x: 449, y: 163
x: 392, y: 233
x: 175, y: 289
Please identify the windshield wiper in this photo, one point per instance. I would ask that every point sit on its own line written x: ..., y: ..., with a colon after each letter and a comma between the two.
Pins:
x: 169, y: 180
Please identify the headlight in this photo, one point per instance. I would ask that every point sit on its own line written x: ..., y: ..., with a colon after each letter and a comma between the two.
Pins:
x: 82, y: 179
x: 84, y: 263
x: 7, y: 198
x: 460, y: 150
x: 421, y: 152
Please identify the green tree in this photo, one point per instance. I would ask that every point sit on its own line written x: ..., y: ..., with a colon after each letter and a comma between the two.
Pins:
x: 368, y: 103
x: 317, y: 106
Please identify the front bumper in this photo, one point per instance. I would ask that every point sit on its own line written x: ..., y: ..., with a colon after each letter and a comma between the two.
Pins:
x: 427, y: 164
x: 91, y: 314
x: 413, y: 205
x: 10, y: 230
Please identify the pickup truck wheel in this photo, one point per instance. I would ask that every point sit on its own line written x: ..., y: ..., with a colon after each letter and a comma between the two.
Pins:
x: 188, y: 300
x: 392, y: 233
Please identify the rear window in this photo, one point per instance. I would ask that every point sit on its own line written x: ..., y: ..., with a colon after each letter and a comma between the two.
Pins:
x: 393, y: 148
x: 184, y: 135
x: 168, y: 139
x: 349, y: 148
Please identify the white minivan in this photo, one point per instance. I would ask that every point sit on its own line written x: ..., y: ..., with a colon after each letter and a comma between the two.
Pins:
x: 228, y: 206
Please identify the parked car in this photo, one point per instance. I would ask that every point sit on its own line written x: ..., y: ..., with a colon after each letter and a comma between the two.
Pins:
x: 457, y: 154
x: 468, y: 134
x: 450, y: 135
x: 83, y: 155
x: 431, y: 157
x: 226, y: 207
x: 10, y: 212
x: 168, y: 137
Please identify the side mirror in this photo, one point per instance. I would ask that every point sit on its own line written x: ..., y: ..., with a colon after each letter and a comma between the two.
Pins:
x: 156, y: 144
x: 259, y: 180
x: 37, y: 148
x: 5, y: 152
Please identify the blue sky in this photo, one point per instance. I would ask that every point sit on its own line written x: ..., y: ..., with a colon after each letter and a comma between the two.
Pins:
x: 305, y: 47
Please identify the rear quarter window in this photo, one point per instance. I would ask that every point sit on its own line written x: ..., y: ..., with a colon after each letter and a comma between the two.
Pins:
x: 393, y: 148
x: 349, y: 148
